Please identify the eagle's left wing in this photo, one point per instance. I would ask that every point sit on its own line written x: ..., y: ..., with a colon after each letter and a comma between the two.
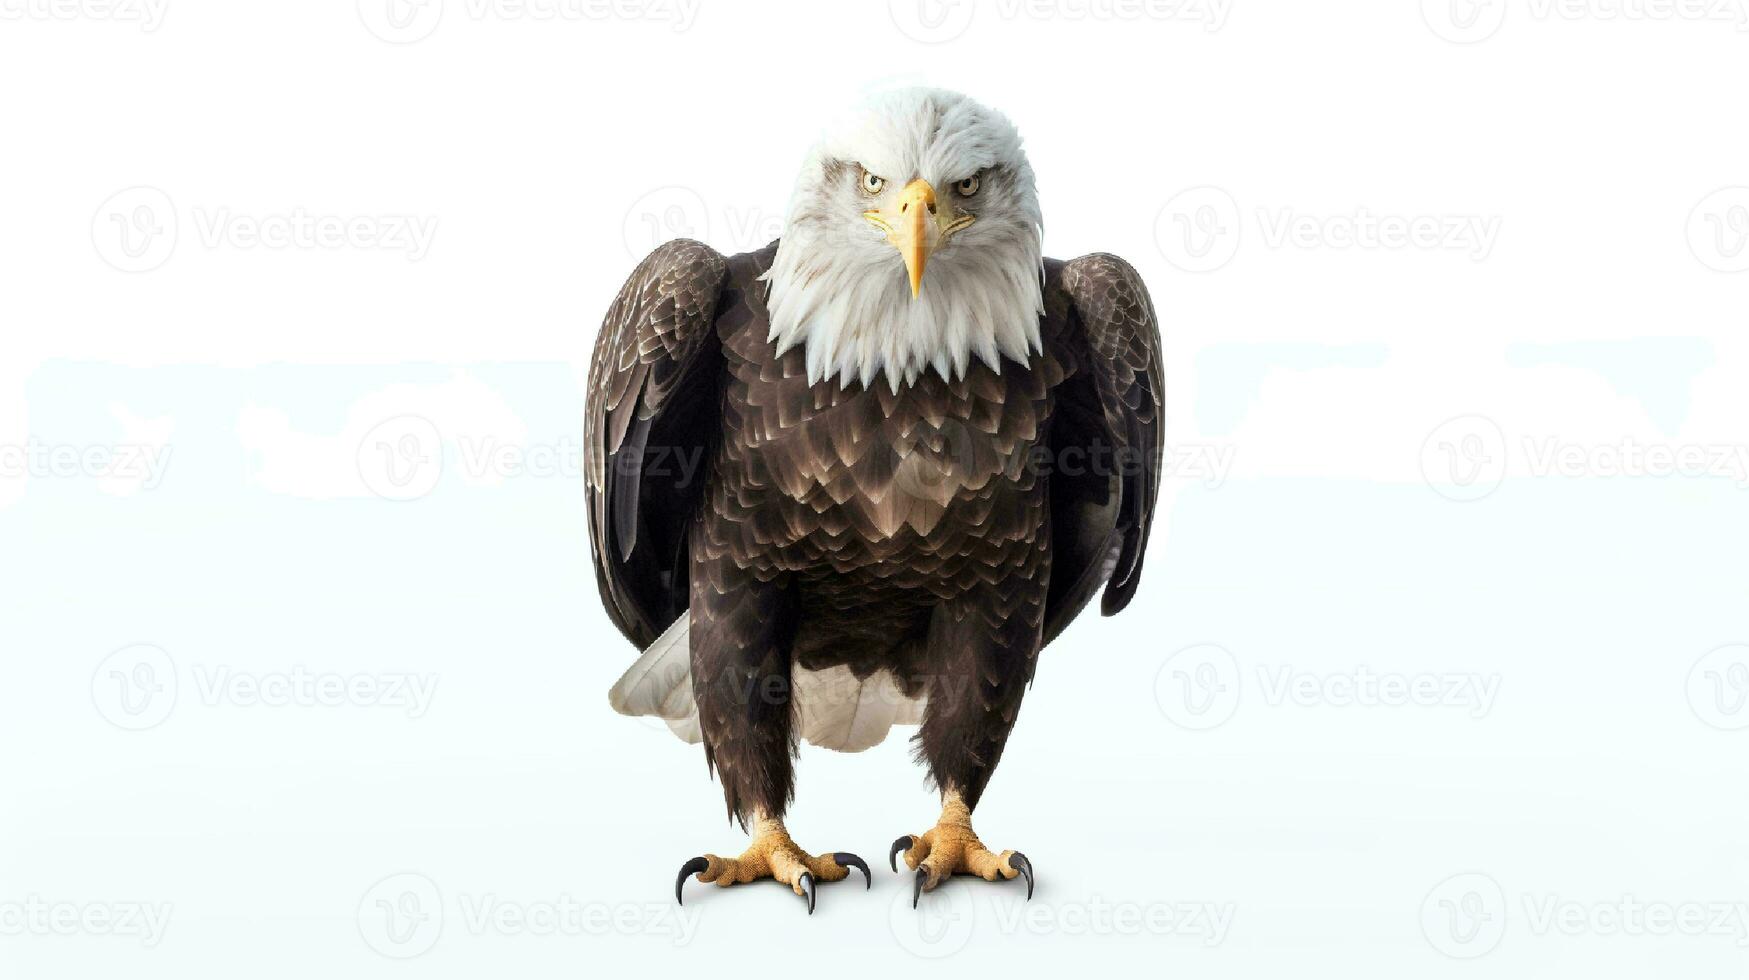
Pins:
x: 1107, y: 437
x: 652, y: 413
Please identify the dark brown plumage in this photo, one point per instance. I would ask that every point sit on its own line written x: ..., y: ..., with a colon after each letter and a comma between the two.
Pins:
x: 945, y: 532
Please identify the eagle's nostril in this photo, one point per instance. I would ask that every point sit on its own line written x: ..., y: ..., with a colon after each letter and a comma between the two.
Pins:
x: 904, y: 207
x: 932, y: 209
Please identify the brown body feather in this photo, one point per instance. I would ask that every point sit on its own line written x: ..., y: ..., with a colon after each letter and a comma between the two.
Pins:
x: 944, y: 532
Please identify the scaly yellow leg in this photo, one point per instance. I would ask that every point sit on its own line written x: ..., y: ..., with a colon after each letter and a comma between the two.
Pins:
x: 951, y: 847
x: 771, y: 854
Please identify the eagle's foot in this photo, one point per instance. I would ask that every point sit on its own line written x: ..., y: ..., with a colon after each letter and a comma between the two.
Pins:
x: 772, y: 854
x: 951, y: 847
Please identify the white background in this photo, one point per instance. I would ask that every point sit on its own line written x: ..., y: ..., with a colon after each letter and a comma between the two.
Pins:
x: 1436, y: 669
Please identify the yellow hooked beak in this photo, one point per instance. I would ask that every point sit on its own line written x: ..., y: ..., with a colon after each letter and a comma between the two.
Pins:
x: 917, y: 226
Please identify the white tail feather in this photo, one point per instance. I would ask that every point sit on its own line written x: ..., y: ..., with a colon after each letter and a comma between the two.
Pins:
x: 845, y: 713
x: 659, y: 683
x: 836, y: 709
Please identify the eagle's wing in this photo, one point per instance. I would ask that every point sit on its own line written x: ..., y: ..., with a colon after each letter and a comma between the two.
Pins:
x: 652, y: 414
x: 1107, y: 437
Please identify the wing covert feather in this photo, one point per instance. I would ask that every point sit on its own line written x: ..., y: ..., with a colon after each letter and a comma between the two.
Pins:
x: 652, y: 395
x: 1100, y: 526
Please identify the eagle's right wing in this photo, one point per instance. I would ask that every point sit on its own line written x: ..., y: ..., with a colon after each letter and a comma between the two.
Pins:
x: 653, y: 411
x: 1110, y: 425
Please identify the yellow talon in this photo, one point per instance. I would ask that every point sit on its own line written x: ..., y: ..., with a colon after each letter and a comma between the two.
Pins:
x: 952, y: 847
x: 772, y: 854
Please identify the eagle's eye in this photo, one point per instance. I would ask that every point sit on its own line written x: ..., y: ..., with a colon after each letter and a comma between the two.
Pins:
x: 967, y: 187
x: 872, y: 184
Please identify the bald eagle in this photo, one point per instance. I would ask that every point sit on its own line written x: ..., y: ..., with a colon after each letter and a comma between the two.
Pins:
x: 861, y: 476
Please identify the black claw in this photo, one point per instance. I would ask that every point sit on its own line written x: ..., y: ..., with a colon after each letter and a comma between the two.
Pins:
x: 808, y: 890
x: 917, y: 889
x: 691, y: 867
x: 902, y: 844
x: 1018, y: 862
x: 849, y: 860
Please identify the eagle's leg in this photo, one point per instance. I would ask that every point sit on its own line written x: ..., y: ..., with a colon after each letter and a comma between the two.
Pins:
x: 984, y: 647
x: 741, y: 633
x: 952, y: 847
x: 772, y: 854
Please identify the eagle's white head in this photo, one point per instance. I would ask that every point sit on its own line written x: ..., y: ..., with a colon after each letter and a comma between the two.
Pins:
x: 912, y: 244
